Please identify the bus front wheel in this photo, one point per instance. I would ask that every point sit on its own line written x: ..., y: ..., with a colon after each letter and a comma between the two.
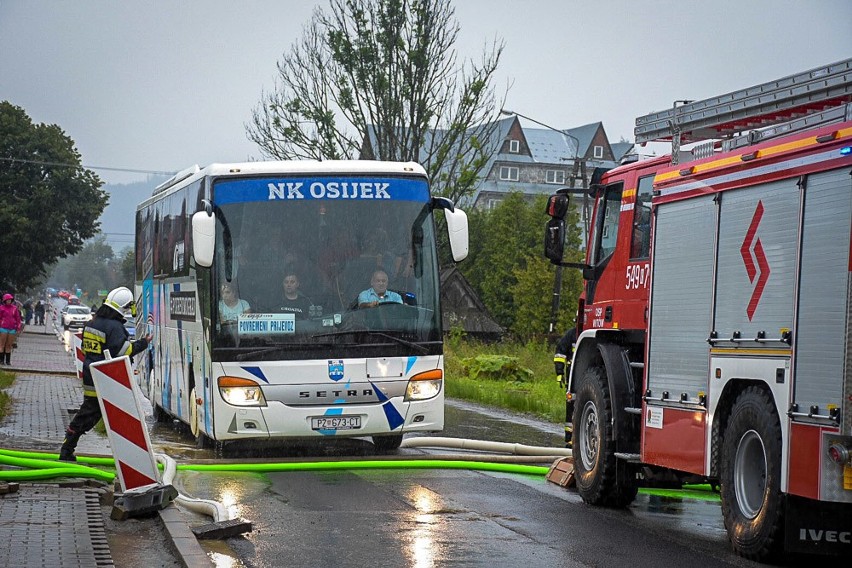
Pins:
x: 385, y: 444
x: 201, y: 439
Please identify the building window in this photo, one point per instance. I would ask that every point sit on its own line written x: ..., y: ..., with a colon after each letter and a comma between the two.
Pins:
x: 598, y: 151
x: 554, y: 176
x: 508, y: 173
x: 514, y: 146
x: 491, y: 204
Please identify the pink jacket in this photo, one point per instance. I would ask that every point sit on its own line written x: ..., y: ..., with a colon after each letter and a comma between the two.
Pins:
x: 10, y: 317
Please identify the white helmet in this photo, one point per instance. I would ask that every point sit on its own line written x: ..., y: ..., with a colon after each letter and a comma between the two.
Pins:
x: 120, y: 300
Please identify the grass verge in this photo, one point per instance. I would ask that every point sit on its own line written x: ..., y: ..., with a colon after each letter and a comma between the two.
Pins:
x: 512, y: 376
x: 6, y: 380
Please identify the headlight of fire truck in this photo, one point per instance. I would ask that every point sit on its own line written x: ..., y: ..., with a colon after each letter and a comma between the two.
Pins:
x: 241, y: 392
x: 424, y: 385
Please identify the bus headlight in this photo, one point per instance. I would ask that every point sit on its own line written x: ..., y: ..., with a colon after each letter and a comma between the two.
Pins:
x: 425, y: 385
x: 241, y: 392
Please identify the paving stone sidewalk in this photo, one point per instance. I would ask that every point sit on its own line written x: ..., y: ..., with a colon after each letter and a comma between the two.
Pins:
x: 47, y: 524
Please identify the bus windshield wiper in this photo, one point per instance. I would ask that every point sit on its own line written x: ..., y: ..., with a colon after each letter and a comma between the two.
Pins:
x: 419, y: 348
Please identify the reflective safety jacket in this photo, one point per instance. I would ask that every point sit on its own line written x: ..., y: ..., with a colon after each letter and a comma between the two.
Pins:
x: 564, y: 353
x: 105, y: 334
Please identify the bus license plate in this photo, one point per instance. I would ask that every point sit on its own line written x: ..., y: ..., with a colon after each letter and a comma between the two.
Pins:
x: 335, y: 422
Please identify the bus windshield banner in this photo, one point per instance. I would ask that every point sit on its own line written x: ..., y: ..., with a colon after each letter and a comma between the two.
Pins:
x: 266, y: 324
x: 324, y: 188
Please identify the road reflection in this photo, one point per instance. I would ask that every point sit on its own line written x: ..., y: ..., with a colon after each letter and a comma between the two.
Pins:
x: 423, y: 547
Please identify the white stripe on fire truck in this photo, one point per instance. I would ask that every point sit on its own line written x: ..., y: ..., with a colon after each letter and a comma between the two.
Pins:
x: 752, y: 172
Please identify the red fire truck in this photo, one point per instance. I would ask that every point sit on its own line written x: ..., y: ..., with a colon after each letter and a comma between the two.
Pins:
x: 715, y: 337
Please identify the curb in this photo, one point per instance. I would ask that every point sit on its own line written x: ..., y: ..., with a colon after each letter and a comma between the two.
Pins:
x: 183, y: 540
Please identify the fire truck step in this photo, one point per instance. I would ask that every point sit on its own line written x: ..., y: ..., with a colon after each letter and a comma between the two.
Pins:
x: 628, y: 457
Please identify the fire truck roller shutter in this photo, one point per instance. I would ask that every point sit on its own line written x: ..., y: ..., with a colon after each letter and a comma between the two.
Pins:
x: 681, y: 297
x: 824, y: 305
x: 756, y: 274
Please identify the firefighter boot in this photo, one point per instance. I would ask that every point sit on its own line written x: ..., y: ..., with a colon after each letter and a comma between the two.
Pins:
x: 66, y: 453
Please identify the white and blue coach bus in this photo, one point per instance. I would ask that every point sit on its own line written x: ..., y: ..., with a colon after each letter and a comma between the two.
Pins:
x: 248, y: 276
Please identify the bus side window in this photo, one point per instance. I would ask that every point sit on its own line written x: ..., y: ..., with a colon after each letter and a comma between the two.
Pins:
x: 640, y: 247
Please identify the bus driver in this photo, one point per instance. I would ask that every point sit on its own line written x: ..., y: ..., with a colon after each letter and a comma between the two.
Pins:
x: 378, y: 292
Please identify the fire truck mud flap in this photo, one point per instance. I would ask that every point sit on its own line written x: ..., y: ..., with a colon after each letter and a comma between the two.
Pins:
x: 823, y: 529
x: 621, y: 392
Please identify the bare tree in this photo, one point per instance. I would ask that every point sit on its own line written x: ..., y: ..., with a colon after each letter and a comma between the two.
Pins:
x: 378, y: 79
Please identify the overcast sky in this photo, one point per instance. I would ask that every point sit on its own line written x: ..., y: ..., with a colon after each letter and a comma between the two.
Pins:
x: 164, y: 84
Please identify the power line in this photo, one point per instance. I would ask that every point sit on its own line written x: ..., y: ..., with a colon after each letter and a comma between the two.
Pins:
x: 75, y: 166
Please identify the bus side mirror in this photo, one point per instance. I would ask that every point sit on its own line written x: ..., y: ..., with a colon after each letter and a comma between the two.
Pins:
x: 457, y: 228
x: 554, y: 240
x: 203, y: 238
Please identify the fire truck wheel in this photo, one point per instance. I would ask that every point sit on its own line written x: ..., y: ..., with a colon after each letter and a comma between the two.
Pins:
x: 751, y: 476
x: 599, y: 479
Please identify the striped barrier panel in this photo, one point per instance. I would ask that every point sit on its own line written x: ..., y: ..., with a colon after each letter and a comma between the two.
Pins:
x: 78, y: 353
x: 119, y: 398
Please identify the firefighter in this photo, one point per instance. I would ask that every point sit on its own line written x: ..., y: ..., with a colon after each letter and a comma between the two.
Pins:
x: 105, y: 332
x: 562, y: 365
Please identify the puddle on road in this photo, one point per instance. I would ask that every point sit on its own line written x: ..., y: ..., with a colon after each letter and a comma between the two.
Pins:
x: 464, y: 420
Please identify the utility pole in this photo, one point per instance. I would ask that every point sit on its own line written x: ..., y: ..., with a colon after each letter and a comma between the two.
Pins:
x: 578, y: 171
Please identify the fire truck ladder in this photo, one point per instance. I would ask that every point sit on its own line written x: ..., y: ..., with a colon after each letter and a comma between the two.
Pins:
x: 760, y: 106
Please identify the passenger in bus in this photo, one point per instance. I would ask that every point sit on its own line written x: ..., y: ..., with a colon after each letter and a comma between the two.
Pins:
x: 376, y: 250
x: 378, y: 292
x: 294, y: 302
x: 230, y: 305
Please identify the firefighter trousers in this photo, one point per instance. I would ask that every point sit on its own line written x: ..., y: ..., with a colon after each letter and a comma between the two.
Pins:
x: 86, y: 417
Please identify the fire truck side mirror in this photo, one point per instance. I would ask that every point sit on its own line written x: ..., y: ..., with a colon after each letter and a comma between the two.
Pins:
x: 554, y: 240
x: 557, y: 205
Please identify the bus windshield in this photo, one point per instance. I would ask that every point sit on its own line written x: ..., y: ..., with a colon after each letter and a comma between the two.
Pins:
x: 337, y: 267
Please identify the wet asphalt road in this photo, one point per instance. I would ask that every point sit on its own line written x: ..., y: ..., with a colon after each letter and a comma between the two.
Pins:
x: 431, y: 518
x: 426, y: 518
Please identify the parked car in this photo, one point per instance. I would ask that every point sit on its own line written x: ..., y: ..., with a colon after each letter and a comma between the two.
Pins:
x: 75, y: 316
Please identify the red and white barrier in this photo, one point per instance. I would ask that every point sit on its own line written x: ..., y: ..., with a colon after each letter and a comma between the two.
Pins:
x: 119, y: 398
x: 79, y: 356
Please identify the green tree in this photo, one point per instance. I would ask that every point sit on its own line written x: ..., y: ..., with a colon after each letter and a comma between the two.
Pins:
x: 507, y: 268
x: 51, y: 204
x: 127, y: 268
x: 383, y: 71
x: 93, y: 268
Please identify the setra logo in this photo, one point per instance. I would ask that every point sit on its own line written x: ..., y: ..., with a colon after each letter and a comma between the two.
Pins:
x: 749, y: 261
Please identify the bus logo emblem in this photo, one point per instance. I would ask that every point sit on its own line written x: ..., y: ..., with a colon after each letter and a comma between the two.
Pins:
x: 335, y: 370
